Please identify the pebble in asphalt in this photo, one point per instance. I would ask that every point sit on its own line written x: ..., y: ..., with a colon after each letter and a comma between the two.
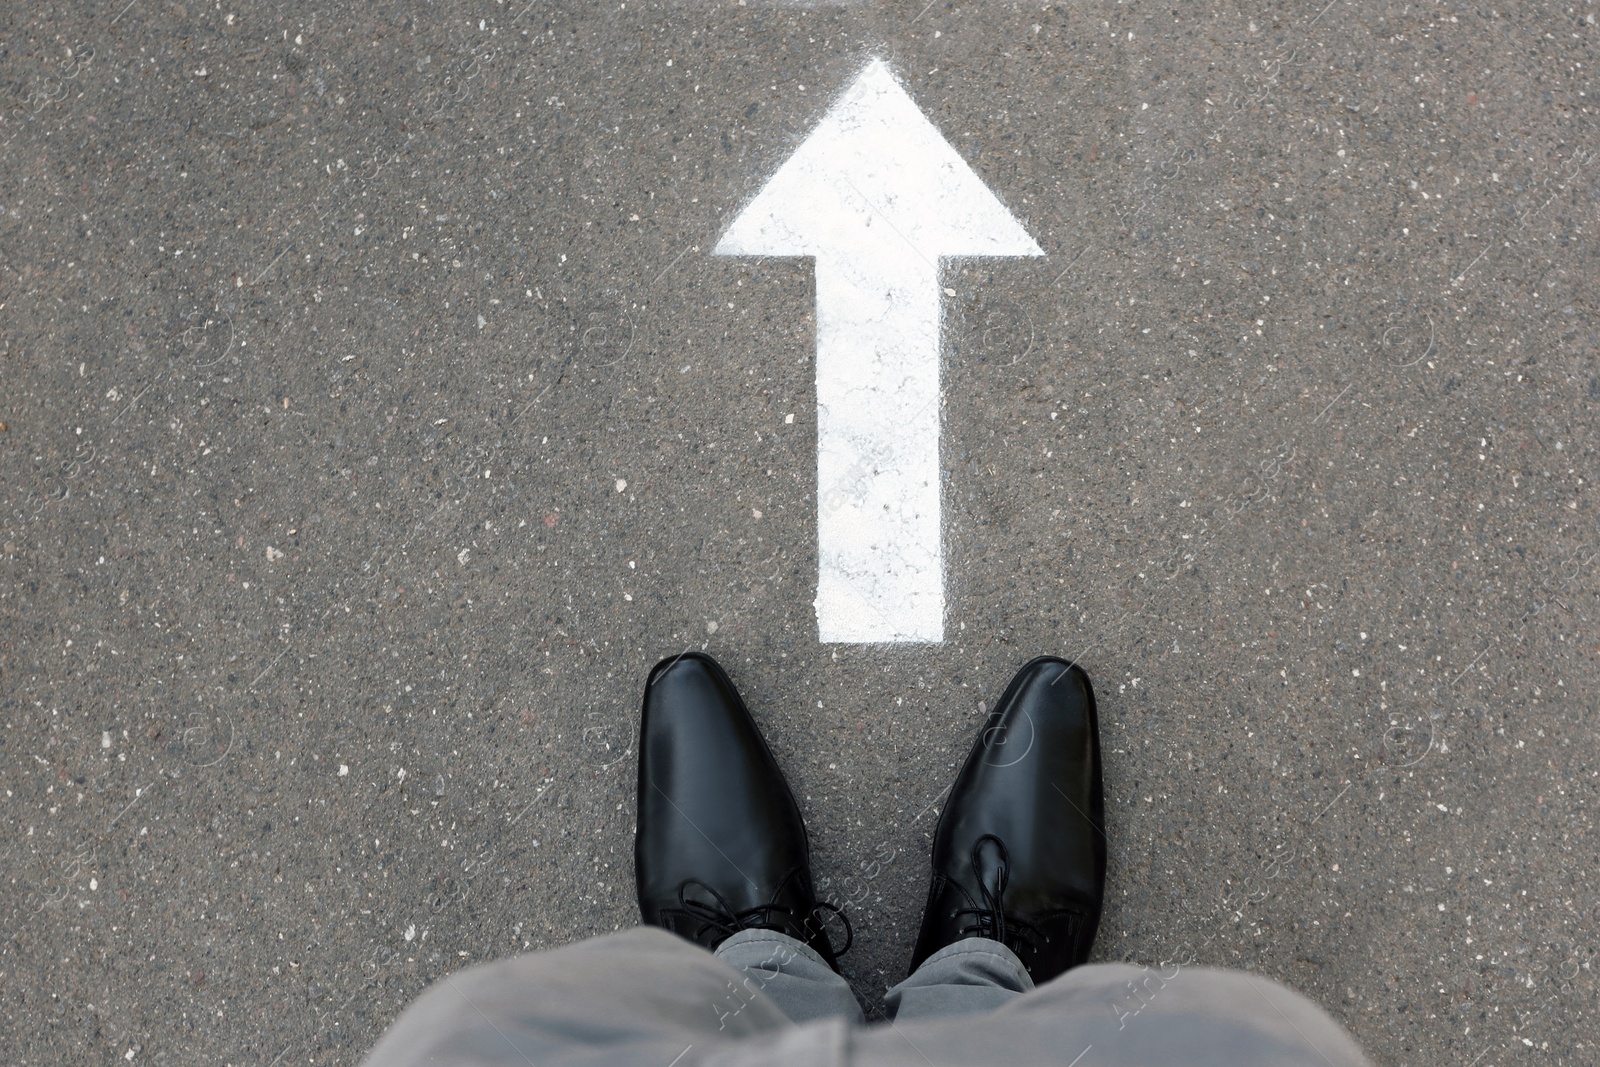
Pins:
x: 373, y: 414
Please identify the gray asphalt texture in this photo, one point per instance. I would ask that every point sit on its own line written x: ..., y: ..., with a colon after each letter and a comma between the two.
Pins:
x: 375, y: 416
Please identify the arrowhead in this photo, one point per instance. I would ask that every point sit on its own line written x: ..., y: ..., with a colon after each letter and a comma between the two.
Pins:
x: 876, y: 172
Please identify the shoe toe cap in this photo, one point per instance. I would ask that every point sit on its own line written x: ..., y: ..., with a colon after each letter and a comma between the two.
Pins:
x: 713, y: 805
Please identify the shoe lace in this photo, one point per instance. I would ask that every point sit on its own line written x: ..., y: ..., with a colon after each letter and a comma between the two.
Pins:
x: 721, y: 917
x: 990, y: 920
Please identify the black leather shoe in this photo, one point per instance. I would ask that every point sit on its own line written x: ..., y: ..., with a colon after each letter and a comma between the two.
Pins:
x: 1020, y: 853
x: 720, y: 845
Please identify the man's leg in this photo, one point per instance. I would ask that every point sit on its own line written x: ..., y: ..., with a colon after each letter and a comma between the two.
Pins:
x: 1019, y: 868
x: 722, y: 861
x: 721, y: 853
x: 791, y: 974
x: 1019, y: 855
x: 642, y: 995
x: 1250, y: 1019
x: 973, y: 975
x: 1116, y: 1015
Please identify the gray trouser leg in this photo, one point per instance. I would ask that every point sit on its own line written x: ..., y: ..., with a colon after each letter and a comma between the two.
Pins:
x: 1115, y: 1015
x: 976, y: 974
x: 639, y: 996
x: 793, y: 976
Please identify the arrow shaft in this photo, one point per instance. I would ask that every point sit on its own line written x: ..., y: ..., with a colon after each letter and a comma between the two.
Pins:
x: 879, y: 534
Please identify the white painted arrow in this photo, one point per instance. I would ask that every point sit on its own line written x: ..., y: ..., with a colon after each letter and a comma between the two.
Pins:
x: 878, y: 197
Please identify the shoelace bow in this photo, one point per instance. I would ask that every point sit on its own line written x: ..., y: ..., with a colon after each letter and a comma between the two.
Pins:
x: 722, y: 918
x: 991, y: 920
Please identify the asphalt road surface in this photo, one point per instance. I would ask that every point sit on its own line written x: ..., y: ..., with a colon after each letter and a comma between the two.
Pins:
x: 375, y: 414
